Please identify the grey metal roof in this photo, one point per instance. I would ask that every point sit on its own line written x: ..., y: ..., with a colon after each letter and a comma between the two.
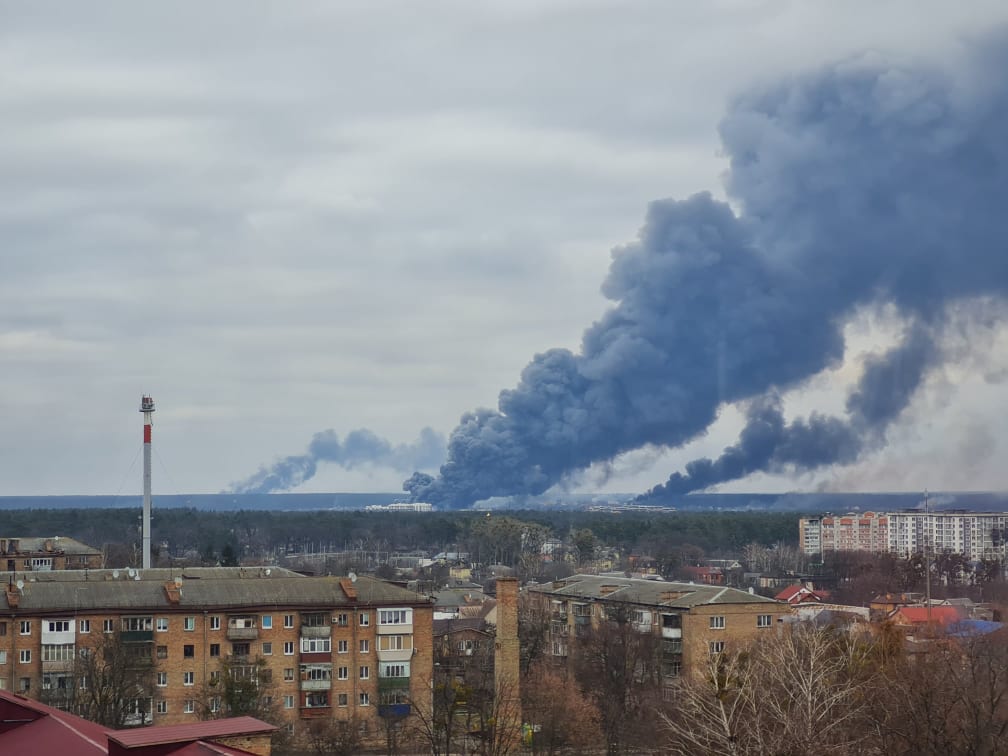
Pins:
x: 647, y: 592
x: 224, y: 588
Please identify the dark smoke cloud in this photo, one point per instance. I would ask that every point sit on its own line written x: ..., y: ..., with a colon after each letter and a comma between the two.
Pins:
x: 858, y: 186
x: 360, y: 447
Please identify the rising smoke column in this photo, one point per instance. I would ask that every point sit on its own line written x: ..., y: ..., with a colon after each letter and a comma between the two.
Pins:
x: 858, y: 186
x: 360, y: 447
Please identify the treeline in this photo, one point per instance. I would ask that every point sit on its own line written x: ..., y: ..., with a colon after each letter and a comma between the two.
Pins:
x: 259, y: 534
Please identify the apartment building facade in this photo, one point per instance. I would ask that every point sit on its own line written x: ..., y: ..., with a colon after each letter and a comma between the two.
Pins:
x: 692, y: 621
x: 976, y: 535
x: 328, y: 647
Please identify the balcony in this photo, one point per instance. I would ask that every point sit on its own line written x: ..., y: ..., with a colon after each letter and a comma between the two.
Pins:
x: 316, y: 684
x: 671, y: 632
x: 137, y: 636
x: 399, y: 654
x: 582, y: 619
x: 63, y: 665
x: 235, y: 633
x: 389, y: 684
x: 559, y: 616
x: 315, y: 712
x: 394, y: 711
x: 316, y: 631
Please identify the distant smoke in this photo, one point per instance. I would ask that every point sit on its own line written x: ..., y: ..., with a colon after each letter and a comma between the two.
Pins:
x: 859, y: 186
x: 359, y: 448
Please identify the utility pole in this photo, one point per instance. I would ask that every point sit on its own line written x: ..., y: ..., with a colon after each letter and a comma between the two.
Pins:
x: 927, y: 558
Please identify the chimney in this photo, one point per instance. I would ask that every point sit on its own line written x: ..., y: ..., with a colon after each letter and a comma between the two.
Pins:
x: 506, y: 662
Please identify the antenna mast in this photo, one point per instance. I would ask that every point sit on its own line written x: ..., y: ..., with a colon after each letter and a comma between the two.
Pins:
x: 147, y: 407
x: 927, y: 558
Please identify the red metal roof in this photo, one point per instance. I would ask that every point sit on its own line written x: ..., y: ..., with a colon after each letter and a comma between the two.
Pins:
x: 30, y: 727
x: 946, y: 615
x: 214, y: 728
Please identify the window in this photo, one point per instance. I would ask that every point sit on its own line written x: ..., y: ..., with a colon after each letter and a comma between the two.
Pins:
x: 364, y: 699
x: 364, y: 619
x: 215, y: 649
x: 188, y: 706
x: 162, y: 706
x: 84, y: 626
x: 288, y: 620
x: 267, y: 649
x: 342, y: 647
x: 3, y: 657
x: 365, y: 672
x: 162, y: 679
x: 316, y: 645
x: 58, y: 652
x: 393, y: 669
x: 24, y: 684
x: 189, y: 624
x: 3, y: 628
x: 188, y: 678
x: 188, y: 651
x: 342, y: 619
x: 764, y: 620
x: 25, y: 657
x: 133, y: 623
x: 59, y: 626
x: 395, y: 642
x: 267, y: 622
x: 25, y: 627
x: 288, y: 702
x: 342, y: 699
x: 315, y: 700
x: 717, y: 622
x: 215, y: 704
x: 215, y: 622
x: 288, y: 648
x: 162, y: 625
x: 215, y: 676
x: 314, y: 672
x: 716, y: 647
x: 241, y: 649
x: 288, y: 673
x: 162, y: 652
x: 365, y: 646
x: 395, y: 617
x: 343, y: 673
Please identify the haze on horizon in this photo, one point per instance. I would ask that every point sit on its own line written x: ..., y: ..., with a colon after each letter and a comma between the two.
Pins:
x: 327, y: 232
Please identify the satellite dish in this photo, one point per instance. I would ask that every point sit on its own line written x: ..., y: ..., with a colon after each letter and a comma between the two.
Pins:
x: 353, y: 577
x: 19, y: 584
x: 268, y: 571
x: 130, y: 571
x: 115, y: 574
x: 178, y: 582
x: 136, y: 577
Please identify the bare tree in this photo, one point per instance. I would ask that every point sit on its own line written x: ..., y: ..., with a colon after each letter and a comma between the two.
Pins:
x: 332, y: 737
x: 113, y: 681
x: 569, y: 721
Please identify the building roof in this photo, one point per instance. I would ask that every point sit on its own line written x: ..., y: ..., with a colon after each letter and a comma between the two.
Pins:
x: 945, y: 615
x: 28, y: 728
x: 647, y: 592
x: 184, y: 733
x: 56, y: 544
x: 199, y: 588
x: 450, y: 626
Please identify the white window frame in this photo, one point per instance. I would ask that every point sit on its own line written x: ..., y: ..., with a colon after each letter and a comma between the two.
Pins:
x: 188, y: 679
x: 288, y: 648
x: 161, y: 624
x: 717, y: 622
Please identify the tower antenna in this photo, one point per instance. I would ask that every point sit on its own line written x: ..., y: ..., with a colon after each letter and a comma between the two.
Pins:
x: 147, y: 407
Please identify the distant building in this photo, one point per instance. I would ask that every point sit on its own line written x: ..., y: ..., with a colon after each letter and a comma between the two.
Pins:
x: 975, y: 535
x: 401, y: 506
x: 53, y: 553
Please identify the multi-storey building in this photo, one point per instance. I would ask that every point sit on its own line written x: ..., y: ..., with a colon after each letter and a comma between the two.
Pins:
x: 693, y: 621
x: 40, y: 554
x: 329, y: 647
x: 976, y: 535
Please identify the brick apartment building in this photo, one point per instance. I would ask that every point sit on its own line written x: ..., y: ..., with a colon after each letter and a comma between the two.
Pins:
x: 331, y: 648
x: 53, y: 553
x: 693, y: 621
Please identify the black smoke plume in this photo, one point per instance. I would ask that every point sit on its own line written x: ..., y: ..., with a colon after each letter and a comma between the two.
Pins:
x: 860, y: 186
x: 360, y: 447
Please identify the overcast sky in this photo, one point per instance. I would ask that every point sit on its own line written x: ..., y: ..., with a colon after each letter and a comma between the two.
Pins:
x: 282, y: 218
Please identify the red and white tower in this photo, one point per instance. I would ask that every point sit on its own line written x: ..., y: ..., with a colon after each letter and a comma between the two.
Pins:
x: 147, y: 407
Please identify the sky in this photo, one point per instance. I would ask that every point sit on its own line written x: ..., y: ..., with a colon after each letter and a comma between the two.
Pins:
x: 293, y: 221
